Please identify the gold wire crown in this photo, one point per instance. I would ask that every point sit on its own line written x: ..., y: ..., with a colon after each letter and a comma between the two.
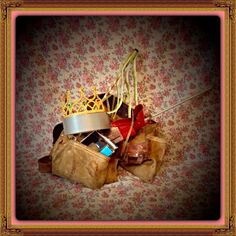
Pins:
x: 83, y: 105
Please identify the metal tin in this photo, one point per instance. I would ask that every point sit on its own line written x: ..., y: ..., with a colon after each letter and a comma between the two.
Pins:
x: 86, y: 122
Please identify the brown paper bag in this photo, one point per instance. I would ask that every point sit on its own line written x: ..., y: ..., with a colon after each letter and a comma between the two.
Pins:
x: 156, y: 146
x: 112, y: 173
x: 76, y: 162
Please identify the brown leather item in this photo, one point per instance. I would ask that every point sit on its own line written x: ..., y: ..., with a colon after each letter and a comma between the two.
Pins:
x: 45, y: 164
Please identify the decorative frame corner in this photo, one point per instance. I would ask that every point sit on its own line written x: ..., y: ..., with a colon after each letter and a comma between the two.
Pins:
x: 7, y: 4
x: 230, y: 230
x: 227, y: 4
x: 8, y: 231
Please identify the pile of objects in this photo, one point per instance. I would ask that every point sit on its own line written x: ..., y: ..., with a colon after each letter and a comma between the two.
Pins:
x: 102, y: 131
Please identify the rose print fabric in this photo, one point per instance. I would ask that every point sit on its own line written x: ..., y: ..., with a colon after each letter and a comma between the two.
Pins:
x: 178, y: 57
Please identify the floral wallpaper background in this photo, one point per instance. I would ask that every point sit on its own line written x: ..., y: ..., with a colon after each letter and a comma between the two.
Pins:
x: 178, y: 57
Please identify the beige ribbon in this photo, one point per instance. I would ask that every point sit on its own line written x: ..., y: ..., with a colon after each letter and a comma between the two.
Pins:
x: 122, y: 82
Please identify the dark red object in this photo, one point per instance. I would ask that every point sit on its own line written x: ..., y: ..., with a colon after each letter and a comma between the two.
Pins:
x: 124, y: 124
x: 45, y: 164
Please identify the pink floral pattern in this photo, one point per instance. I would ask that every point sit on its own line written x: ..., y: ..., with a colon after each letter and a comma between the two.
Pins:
x: 177, y: 58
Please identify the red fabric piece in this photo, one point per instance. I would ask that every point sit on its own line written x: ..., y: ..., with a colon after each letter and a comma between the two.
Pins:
x: 139, y: 121
x: 124, y: 124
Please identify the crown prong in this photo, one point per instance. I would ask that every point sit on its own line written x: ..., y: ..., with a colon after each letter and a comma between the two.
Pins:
x: 83, y: 104
x: 68, y: 96
x: 94, y: 91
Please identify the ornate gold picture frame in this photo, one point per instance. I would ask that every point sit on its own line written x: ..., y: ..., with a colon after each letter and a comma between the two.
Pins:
x: 228, y: 52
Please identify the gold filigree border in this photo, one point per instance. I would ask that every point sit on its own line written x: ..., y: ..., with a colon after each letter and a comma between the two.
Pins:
x: 6, y: 231
x: 229, y: 230
x: 6, y: 4
x: 229, y: 5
